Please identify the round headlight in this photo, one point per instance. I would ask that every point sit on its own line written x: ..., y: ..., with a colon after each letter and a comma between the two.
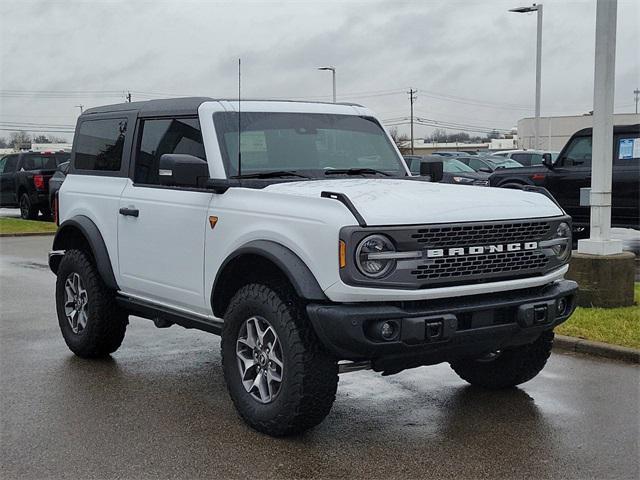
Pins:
x: 370, y: 256
x: 563, y: 249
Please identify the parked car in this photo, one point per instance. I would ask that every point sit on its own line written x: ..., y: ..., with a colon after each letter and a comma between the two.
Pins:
x: 55, y: 182
x: 488, y: 164
x: 526, y: 158
x: 24, y: 181
x: 307, y: 245
x: 572, y: 171
x: 452, y: 154
x: 454, y: 170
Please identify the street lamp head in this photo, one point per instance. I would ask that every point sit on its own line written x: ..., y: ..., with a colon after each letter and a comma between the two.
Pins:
x: 333, y: 69
x: 533, y: 8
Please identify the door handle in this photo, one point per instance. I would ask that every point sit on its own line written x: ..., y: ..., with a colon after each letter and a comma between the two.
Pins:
x: 129, y: 212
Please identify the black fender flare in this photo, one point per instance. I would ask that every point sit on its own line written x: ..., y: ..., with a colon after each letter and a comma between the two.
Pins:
x: 296, y: 271
x: 94, y: 239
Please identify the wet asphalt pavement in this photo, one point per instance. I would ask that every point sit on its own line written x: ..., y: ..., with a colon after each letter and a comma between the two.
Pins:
x: 158, y: 409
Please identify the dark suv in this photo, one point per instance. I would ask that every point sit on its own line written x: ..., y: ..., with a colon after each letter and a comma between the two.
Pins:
x: 572, y: 171
x: 24, y: 181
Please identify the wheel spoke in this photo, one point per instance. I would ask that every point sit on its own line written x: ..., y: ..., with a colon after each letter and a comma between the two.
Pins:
x: 274, y: 358
x: 82, y: 319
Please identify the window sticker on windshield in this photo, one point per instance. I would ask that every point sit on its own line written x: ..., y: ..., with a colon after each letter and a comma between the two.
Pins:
x: 629, y: 148
x: 253, y: 142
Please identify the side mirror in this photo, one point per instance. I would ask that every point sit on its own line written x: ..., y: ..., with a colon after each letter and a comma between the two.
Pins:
x: 183, y: 170
x: 485, y: 170
x: 547, y: 161
x: 431, y: 169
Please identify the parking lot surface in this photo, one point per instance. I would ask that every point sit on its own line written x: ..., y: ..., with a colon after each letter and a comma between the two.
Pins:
x: 159, y: 409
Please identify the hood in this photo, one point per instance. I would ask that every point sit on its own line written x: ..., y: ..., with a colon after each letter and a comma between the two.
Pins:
x: 383, y: 201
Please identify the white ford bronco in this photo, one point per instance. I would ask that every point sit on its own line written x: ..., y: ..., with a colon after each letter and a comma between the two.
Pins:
x: 296, y: 232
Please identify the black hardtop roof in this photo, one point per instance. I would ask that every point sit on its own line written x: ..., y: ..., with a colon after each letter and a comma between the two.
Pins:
x: 177, y: 106
x: 616, y: 129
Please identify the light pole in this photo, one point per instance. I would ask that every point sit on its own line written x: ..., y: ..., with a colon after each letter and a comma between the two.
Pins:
x: 600, y: 242
x: 333, y: 72
x: 536, y: 8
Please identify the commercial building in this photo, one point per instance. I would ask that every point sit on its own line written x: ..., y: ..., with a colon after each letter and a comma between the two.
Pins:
x: 555, y: 131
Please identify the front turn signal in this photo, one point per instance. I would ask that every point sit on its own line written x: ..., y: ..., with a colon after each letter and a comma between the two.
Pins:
x: 342, y: 254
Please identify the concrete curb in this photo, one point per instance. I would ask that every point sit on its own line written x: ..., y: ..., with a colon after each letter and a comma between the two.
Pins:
x: 27, y: 234
x: 580, y: 345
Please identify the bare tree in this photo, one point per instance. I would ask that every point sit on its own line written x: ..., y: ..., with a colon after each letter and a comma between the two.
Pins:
x: 402, y: 141
x: 3, y: 143
x: 48, y: 139
x: 19, y: 140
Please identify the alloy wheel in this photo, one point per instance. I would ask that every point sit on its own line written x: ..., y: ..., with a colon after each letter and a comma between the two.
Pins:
x: 260, y: 360
x: 76, y: 303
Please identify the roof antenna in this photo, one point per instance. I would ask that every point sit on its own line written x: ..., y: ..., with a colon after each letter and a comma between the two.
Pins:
x: 239, y: 123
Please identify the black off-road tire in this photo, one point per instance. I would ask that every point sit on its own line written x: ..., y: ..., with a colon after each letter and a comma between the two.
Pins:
x: 27, y: 210
x: 106, y: 321
x: 310, y: 377
x: 510, y: 367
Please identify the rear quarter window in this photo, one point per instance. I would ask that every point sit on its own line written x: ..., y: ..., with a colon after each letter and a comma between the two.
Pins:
x: 100, y: 144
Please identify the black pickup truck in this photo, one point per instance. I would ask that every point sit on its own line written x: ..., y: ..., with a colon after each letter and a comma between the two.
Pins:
x: 24, y: 181
x: 572, y: 171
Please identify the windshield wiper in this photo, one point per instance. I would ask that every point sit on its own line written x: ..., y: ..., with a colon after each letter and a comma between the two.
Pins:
x: 272, y: 174
x: 355, y: 171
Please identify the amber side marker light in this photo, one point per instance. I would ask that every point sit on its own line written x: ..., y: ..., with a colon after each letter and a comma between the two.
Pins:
x: 342, y: 253
x: 212, y: 221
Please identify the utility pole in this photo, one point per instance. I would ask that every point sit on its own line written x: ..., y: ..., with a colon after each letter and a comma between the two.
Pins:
x: 129, y: 97
x: 636, y: 92
x: 412, y: 98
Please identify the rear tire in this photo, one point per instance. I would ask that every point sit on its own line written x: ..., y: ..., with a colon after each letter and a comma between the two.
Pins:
x: 302, y: 379
x: 27, y: 209
x: 509, y: 367
x: 91, y: 322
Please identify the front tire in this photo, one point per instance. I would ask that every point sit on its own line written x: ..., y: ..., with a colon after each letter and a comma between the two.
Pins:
x: 91, y: 322
x: 266, y: 332
x: 507, y: 368
x: 27, y: 210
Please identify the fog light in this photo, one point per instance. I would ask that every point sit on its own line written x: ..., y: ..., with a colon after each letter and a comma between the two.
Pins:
x: 388, y: 330
x: 383, y: 330
x: 561, y: 305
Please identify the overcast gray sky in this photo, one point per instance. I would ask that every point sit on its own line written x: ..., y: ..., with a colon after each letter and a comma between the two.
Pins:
x: 472, y: 62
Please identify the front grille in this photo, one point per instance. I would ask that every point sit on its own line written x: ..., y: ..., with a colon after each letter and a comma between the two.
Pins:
x: 483, y: 267
x: 487, y: 264
x: 484, y: 234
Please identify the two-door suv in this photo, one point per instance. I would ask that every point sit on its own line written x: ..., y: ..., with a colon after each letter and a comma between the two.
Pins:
x: 296, y: 231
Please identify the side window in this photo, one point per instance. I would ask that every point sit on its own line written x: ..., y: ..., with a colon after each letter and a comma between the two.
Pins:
x: 522, y: 158
x: 99, y: 144
x: 476, y: 164
x: 160, y: 136
x: 3, y: 160
x: 536, y: 159
x: 578, y: 154
x: 10, y: 164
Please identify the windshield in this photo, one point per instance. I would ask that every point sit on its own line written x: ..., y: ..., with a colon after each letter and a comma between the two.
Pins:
x: 508, y: 163
x: 306, y: 143
x: 451, y: 165
x: 44, y: 162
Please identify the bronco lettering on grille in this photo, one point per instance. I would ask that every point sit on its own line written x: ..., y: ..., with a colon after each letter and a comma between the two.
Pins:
x: 480, y: 249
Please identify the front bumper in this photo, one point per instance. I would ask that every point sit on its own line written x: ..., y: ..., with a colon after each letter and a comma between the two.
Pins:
x: 434, y: 331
